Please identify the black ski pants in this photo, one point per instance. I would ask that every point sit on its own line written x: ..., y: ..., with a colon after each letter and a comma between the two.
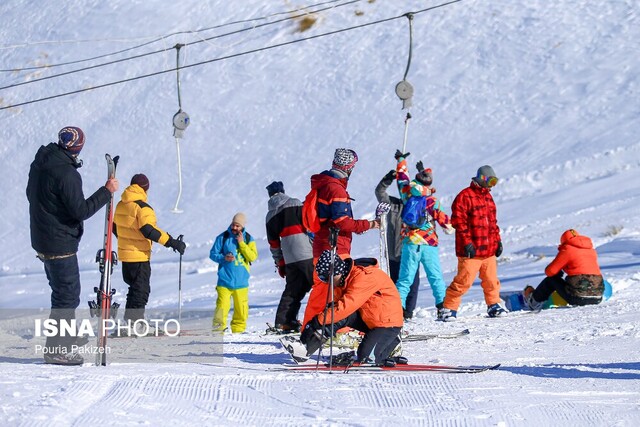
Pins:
x: 558, y: 284
x: 299, y: 279
x: 138, y: 276
x: 64, y: 279
x: 380, y: 342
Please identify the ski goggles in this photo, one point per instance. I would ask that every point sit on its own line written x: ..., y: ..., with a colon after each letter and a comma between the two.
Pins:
x: 491, y: 181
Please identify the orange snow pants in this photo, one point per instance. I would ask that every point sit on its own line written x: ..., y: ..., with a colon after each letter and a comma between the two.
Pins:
x: 468, y: 270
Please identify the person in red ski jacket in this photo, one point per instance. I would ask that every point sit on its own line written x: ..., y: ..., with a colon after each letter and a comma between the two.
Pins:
x: 334, y: 210
x: 478, y: 244
x: 583, y: 284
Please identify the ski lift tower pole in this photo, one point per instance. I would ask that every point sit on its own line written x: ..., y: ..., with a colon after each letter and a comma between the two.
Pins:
x: 180, y: 123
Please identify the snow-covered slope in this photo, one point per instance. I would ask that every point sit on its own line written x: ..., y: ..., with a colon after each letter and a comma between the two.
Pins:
x: 545, y: 92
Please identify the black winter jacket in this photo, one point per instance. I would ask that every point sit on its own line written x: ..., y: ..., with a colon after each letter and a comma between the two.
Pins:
x: 57, y: 205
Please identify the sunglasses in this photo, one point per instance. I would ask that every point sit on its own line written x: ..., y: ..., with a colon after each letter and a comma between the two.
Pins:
x: 491, y: 181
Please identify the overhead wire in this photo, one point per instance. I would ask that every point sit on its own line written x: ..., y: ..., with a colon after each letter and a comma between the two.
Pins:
x: 235, y: 55
x: 142, y: 55
x: 155, y: 40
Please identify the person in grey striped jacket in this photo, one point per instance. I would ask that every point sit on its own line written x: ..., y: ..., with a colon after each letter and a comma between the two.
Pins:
x: 292, y: 253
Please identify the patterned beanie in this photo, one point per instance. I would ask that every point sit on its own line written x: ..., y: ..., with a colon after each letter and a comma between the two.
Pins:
x: 71, y: 139
x: 344, y: 159
x: 239, y: 218
x: 275, y: 187
x: 142, y: 180
x: 324, y: 266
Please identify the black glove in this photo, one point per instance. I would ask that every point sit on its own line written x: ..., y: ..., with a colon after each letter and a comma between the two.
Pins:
x: 419, y: 166
x: 281, y: 271
x: 311, y: 328
x: 389, y: 177
x: 400, y: 154
x: 470, y: 251
x: 176, y: 245
x: 499, y: 250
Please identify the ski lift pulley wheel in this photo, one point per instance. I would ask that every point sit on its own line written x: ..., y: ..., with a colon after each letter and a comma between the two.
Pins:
x: 180, y: 123
x: 404, y: 90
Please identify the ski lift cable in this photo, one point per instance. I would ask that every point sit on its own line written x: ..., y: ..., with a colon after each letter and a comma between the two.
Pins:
x: 142, y: 55
x: 155, y: 39
x: 235, y: 55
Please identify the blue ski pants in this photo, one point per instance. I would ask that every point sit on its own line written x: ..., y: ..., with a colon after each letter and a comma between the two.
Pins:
x: 412, y: 257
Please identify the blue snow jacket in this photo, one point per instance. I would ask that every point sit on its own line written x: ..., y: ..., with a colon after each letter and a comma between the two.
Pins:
x: 234, y: 274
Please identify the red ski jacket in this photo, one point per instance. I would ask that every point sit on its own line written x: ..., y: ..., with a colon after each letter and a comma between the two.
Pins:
x: 474, y: 218
x: 334, y: 209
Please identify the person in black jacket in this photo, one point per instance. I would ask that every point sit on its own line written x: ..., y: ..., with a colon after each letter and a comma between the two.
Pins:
x: 292, y: 253
x: 57, y: 209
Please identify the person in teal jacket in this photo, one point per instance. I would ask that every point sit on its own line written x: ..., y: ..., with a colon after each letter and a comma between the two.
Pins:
x: 234, y: 250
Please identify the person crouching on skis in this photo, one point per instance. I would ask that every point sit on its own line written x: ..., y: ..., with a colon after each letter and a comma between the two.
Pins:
x: 366, y: 299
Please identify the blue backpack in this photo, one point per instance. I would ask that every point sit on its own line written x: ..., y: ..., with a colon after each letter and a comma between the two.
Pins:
x: 414, y: 211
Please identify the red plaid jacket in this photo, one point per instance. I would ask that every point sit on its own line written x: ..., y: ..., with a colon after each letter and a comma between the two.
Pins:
x: 474, y: 218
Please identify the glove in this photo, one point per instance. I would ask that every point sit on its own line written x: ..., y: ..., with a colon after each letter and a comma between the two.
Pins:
x: 383, y: 208
x: 281, y: 271
x: 176, y: 245
x: 448, y: 229
x: 419, y: 166
x: 311, y: 328
x: 400, y: 155
x: 389, y: 177
x: 499, y: 250
x: 470, y: 251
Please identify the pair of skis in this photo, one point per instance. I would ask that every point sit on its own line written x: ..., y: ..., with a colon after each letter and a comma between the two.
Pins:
x: 106, y: 258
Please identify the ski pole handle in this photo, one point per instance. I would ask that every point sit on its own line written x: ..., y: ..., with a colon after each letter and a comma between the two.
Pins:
x: 406, y: 131
x: 333, y: 236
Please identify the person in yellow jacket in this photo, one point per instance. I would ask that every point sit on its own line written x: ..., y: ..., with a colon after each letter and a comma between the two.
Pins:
x: 134, y: 224
x: 234, y: 250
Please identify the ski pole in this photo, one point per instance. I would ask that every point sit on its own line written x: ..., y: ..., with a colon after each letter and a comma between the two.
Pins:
x: 180, y: 237
x: 406, y: 131
x: 333, y: 239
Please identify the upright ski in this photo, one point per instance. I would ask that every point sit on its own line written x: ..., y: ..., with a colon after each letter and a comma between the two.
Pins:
x: 103, y: 308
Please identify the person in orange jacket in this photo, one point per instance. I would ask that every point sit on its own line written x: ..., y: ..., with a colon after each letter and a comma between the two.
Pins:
x: 583, y: 284
x: 366, y: 299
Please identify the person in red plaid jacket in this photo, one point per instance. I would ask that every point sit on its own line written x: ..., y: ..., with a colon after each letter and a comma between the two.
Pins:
x: 478, y: 244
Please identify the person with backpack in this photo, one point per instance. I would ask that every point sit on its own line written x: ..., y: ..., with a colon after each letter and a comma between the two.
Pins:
x: 234, y: 250
x: 134, y: 224
x: 291, y: 250
x: 478, y: 245
x: 328, y: 205
x: 394, y: 240
x: 419, y: 215
x: 365, y: 299
x: 583, y: 284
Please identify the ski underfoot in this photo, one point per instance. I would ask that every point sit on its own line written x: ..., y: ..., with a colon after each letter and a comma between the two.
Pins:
x: 365, y: 368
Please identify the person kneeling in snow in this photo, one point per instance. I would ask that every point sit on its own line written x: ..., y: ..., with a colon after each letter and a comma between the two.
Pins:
x: 583, y: 284
x: 365, y: 299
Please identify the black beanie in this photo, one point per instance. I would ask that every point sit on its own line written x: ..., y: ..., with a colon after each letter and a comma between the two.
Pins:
x: 275, y: 187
